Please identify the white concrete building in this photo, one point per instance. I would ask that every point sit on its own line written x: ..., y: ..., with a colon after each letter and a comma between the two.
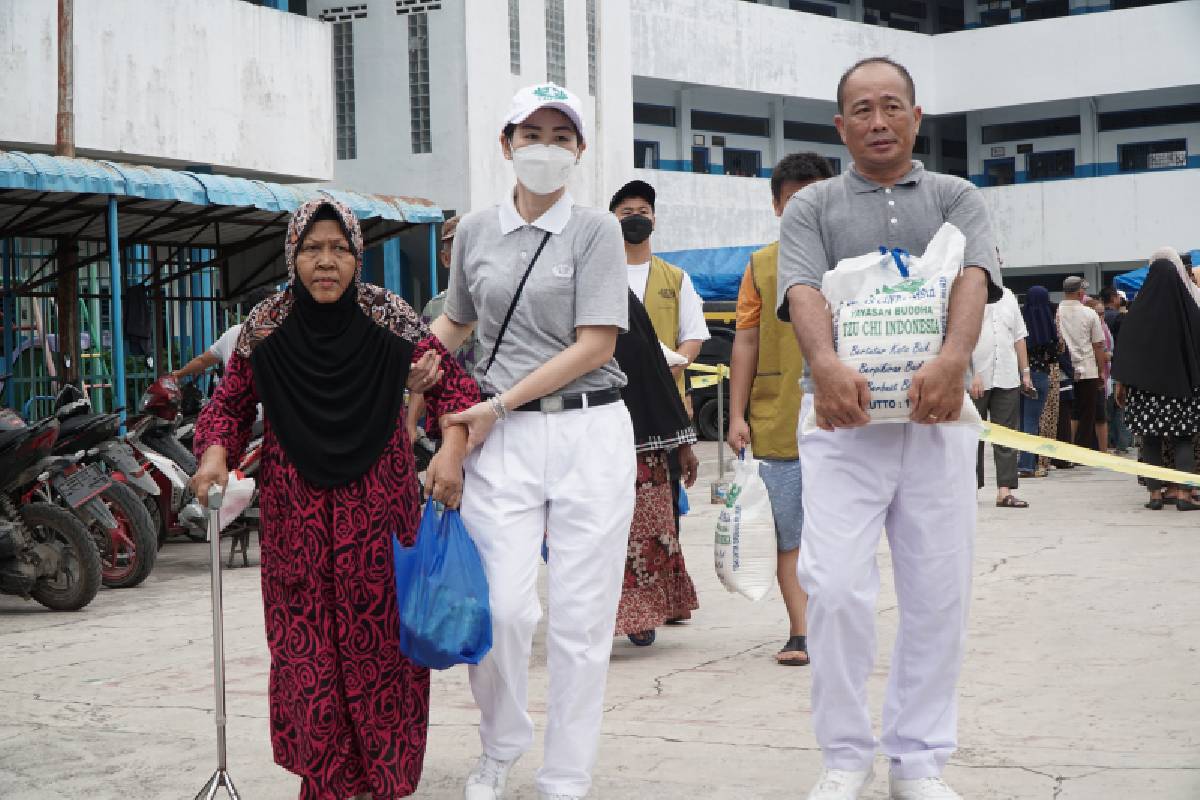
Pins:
x: 1084, y: 128
x: 154, y: 85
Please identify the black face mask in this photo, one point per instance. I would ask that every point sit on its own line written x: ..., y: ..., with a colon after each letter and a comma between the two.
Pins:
x: 636, y: 228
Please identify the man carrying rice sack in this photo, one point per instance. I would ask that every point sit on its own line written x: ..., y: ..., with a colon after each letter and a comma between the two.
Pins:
x: 914, y: 476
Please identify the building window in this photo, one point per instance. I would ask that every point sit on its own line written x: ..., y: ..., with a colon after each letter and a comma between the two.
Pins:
x: 514, y: 36
x: 742, y: 163
x: 591, y: 34
x: 1032, y: 129
x: 1053, y: 164
x: 731, y: 123
x: 556, y: 43
x: 1149, y: 117
x: 813, y: 8
x: 700, y: 160
x: 810, y: 132
x: 647, y: 114
x: 418, y: 82
x: 1167, y: 154
x: 1000, y: 172
x: 343, y: 81
x: 645, y: 154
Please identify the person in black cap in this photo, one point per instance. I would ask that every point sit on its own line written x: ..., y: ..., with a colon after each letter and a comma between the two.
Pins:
x: 675, y: 308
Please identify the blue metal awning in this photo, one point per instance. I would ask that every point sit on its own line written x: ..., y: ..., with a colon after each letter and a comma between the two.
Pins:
x: 33, y: 184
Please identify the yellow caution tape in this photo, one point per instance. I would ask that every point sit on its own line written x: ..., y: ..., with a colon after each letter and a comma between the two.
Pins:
x: 718, y: 369
x: 704, y: 381
x: 1027, y: 442
x: 716, y: 374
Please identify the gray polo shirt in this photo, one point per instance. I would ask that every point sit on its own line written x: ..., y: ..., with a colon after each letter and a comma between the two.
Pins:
x: 579, y: 279
x: 850, y: 216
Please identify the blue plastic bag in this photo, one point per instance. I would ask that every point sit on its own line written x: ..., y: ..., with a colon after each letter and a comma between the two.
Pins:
x: 442, y: 593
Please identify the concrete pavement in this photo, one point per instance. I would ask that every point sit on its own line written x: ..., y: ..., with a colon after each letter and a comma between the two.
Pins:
x: 1081, y: 681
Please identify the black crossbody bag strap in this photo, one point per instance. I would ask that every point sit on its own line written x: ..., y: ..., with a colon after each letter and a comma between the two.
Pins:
x: 513, y: 305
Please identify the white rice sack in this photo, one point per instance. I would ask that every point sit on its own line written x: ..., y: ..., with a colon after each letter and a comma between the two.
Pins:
x: 744, y: 548
x: 887, y: 325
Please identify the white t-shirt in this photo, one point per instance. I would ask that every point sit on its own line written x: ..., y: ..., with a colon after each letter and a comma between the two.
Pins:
x: 995, y: 355
x: 1081, y: 328
x: 691, y: 308
x: 223, y: 347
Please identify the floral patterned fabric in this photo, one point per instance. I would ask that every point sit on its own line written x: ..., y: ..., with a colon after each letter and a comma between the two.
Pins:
x: 348, y: 712
x: 657, y: 586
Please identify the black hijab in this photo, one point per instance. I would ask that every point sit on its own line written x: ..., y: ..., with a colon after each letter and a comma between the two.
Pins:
x: 331, y: 378
x: 652, y: 397
x: 1160, y: 337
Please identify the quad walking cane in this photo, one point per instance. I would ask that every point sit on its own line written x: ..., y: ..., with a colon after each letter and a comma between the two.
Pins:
x: 221, y: 777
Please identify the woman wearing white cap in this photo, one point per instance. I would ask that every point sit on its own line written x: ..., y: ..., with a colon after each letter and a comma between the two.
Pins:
x: 542, y: 282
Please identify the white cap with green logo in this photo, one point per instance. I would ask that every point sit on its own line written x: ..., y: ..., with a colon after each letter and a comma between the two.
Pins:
x: 545, y: 95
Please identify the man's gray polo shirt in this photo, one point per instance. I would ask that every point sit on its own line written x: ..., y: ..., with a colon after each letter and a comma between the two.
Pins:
x: 579, y: 279
x: 850, y: 216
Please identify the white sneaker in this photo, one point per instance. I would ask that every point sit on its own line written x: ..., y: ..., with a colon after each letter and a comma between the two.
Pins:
x: 841, y: 784
x: 544, y: 796
x: 486, y: 781
x: 921, y: 789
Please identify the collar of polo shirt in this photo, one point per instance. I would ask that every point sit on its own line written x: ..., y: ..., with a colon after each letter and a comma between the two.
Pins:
x: 862, y: 185
x: 553, y: 220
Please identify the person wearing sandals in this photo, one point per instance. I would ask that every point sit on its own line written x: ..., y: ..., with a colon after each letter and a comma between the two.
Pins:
x: 542, y: 281
x: 1002, y: 373
x: 1157, y: 372
x: 766, y: 366
x: 657, y: 588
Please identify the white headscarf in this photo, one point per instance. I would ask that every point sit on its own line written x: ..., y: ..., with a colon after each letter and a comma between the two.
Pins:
x: 1172, y: 255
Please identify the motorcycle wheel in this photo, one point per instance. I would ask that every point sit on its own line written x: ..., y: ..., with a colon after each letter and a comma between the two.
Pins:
x: 166, y: 443
x: 78, y: 578
x: 127, y: 555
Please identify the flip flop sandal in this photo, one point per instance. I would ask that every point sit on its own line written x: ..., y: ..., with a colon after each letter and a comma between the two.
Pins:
x: 796, y: 644
x: 643, y: 639
x: 1011, y: 501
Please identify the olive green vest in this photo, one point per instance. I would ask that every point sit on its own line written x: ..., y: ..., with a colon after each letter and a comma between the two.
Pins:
x: 775, y: 396
x: 661, y: 300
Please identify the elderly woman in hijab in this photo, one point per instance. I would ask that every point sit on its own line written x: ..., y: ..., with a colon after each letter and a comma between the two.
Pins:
x: 1157, y: 370
x: 329, y: 358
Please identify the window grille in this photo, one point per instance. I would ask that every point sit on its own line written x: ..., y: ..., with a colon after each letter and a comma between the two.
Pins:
x: 343, y: 80
x: 416, y: 6
x: 514, y: 36
x: 418, y: 82
x: 556, y: 47
x: 591, y: 34
x: 344, y: 13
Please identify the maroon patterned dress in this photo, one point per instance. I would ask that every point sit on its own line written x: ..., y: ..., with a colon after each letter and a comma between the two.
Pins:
x: 348, y: 712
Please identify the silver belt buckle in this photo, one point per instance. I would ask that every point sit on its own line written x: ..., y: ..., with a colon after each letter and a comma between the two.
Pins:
x: 553, y: 404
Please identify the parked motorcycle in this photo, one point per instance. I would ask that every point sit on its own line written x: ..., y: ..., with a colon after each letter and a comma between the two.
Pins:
x: 129, y: 548
x: 46, y: 553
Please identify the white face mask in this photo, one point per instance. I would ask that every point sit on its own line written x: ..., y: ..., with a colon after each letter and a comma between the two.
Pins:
x: 543, y: 168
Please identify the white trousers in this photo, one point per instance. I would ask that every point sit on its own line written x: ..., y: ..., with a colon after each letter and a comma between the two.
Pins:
x: 570, y: 475
x: 918, y: 482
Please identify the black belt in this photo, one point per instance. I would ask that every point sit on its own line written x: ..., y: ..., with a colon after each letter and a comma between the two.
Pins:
x: 569, y: 402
